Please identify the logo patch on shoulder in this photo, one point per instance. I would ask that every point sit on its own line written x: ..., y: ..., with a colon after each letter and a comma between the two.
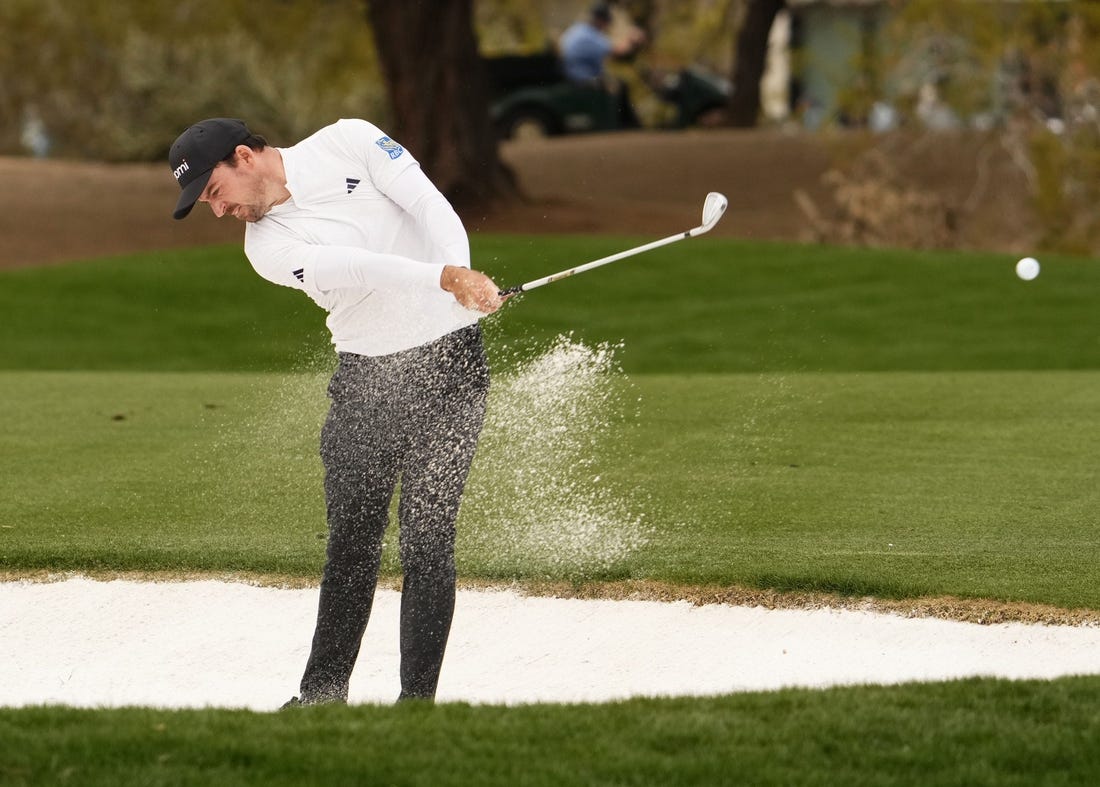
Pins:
x: 390, y: 147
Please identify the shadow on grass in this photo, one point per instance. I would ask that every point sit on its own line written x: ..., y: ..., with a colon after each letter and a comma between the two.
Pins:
x: 847, y: 586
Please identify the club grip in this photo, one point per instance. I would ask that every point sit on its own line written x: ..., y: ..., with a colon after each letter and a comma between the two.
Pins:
x: 512, y: 290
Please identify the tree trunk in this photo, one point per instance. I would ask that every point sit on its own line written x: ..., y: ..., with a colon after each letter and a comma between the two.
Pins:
x: 436, y: 83
x: 750, y: 58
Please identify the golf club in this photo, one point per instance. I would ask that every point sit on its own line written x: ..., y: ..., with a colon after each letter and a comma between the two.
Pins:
x: 713, y: 208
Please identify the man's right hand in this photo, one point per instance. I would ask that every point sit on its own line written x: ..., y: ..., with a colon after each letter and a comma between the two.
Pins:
x: 472, y: 289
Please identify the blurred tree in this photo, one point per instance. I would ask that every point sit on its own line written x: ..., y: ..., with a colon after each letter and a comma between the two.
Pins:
x: 699, y: 32
x: 750, y: 57
x: 694, y: 32
x: 510, y: 27
x: 118, y: 81
x: 440, y: 102
x: 1030, y: 70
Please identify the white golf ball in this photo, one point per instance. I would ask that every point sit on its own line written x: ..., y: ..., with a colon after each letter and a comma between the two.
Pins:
x: 1027, y: 268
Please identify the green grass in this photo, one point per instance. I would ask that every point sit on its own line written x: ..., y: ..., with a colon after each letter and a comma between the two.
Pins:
x: 979, y: 732
x: 792, y: 417
x: 890, y: 484
x: 723, y: 306
x: 160, y: 471
x: 884, y: 423
x: 701, y: 306
x: 180, y: 311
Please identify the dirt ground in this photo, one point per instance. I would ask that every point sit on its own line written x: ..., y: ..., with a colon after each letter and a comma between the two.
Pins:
x: 634, y: 183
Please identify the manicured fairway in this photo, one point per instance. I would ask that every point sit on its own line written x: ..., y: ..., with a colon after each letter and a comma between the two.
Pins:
x: 787, y: 417
x: 894, y: 484
x: 706, y: 305
x: 774, y: 416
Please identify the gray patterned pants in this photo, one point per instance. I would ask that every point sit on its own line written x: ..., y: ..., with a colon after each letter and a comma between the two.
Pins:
x: 411, y: 418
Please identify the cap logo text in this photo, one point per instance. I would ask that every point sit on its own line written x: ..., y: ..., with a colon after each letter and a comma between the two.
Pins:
x: 178, y: 171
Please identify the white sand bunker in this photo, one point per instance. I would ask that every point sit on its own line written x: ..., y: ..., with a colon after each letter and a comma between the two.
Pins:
x: 191, y: 644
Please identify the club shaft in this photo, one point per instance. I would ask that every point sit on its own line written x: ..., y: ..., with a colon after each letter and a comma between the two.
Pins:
x: 597, y: 263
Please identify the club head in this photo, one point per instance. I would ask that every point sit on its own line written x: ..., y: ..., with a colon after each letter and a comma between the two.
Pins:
x: 713, y: 208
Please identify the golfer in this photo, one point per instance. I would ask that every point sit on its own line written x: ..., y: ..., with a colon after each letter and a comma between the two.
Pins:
x: 348, y: 217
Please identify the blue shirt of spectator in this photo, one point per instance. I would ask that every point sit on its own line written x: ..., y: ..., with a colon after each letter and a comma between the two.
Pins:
x: 583, y: 51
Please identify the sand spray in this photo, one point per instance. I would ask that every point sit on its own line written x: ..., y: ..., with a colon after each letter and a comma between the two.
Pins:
x: 537, y: 500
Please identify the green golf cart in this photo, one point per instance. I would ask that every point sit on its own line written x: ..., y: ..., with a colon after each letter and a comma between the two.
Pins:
x: 531, y: 98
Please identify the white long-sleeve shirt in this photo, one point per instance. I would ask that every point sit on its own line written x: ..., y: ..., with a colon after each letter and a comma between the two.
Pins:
x: 366, y: 235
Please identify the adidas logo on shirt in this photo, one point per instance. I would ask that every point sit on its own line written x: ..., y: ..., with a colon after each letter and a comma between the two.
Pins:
x: 352, y: 183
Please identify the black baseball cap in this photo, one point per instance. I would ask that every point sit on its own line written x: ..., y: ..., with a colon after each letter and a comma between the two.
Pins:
x: 197, y: 151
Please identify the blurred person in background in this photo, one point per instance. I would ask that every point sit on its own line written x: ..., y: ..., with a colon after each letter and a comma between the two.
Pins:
x: 584, y: 49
